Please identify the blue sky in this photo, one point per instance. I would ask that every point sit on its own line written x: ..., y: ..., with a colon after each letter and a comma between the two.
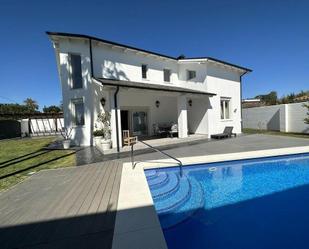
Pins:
x: 270, y: 37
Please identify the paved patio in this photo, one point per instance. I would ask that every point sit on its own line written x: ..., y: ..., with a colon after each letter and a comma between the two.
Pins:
x: 88, y: 155
x: 75, y: 207
x: 239, y: 144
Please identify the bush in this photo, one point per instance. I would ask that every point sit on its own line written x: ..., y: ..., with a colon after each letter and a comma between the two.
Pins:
x: 98, y: 133
x: 105, y: 119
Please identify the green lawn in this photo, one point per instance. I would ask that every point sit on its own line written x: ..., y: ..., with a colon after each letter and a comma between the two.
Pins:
x: 289, y: 134
x: 20, y: 158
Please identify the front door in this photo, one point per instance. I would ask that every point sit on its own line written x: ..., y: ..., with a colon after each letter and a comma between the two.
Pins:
x: 139, y: 123
x: 124, y: 119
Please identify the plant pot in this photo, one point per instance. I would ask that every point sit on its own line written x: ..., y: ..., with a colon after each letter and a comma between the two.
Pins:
x: 66, y: 143
x: 97, y: 141
x: 106, y: 144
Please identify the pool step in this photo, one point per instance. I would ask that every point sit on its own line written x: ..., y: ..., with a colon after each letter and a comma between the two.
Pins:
x: 168, y: 189
x: 158, y: 181
x: 186, y: 210
x: 151, y: 173
x: 176, y: 198
x: 165, y: 205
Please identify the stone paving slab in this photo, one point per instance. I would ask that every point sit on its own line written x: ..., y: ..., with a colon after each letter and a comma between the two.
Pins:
x: 232, y: 145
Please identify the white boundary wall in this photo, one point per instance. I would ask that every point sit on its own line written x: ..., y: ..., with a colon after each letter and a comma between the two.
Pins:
x: 285, y: 118
x: 42, y: 125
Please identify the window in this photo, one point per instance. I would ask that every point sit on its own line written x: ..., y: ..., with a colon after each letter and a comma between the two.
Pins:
x: 76, y: 71
x: 225, y: 108
x: 191, y: 74
x: 144, y: 71
x: 78, y: 106
x: 167, y: 75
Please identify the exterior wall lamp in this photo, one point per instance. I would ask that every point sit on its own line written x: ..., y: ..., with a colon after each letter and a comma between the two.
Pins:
x: 103, y: 101
x: 157, y: 103
x: 190, y: 102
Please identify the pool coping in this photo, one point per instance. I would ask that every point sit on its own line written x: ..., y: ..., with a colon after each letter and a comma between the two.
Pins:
x: 137, y: 224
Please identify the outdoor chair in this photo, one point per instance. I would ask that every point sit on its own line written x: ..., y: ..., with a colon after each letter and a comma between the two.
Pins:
x: 226, y: 133
x: 159, y: 130
x: 173, y: 130
x: 127, y: 139
x: 167, y: 129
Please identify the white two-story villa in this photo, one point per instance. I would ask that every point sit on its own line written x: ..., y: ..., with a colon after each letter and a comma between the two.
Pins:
x: 143, y: 89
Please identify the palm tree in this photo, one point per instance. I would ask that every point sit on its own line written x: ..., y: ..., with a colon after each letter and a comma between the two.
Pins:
x: 31, y: 104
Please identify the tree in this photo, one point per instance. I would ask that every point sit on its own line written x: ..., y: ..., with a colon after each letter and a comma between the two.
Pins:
x: 269, y: 99
x: 180, y: 57
x: 307, y: 118
x: 51, y: 109
x: 31, y: 104
x: 302, y: 93
x: 290, y: 98
x: 13, y: 109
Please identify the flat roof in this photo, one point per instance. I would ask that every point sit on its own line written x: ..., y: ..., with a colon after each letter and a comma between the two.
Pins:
x: 145, y: 51
x: 150, y: 86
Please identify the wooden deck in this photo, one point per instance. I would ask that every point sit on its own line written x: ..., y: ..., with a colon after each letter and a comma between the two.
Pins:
x: 63, y: 208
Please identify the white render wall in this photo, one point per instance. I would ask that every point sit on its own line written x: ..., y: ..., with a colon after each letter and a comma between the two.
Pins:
x: 117, y: 64
x: 265, y: 118
x: 81, y: 135
x: 225, y: 84
x: 198, y: 115
x: 126, y: 65
x: 286, y: 118
x: 296, y: 114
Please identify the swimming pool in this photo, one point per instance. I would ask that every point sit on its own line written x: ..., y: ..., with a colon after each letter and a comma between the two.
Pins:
x: 244, y: 204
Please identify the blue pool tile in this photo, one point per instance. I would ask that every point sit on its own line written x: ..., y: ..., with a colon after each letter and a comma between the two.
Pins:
x: 256, y: 203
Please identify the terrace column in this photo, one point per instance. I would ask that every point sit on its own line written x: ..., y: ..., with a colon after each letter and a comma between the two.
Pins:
x: 113, y: 122
x: 182, y: 116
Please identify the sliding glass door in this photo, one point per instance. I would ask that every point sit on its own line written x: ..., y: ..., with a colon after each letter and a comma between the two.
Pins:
x: 139, y: 123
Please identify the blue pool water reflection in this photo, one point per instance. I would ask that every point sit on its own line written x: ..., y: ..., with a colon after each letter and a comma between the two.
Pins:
x: 256, y: 203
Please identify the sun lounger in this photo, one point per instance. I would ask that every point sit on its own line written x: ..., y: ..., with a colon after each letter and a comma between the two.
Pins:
x: 226, y: 133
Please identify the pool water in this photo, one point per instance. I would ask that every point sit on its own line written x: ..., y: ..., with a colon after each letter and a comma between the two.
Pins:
x: 244, y: 204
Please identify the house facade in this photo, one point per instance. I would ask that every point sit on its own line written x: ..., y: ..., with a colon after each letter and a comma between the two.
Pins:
x: 143, y: 89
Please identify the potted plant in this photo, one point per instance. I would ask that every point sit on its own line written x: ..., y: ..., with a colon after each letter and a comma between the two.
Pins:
x: 105, y: 119
x: 98, y: 136
x: 66, y: 134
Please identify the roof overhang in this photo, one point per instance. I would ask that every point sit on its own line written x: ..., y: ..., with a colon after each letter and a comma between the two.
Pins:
x: 243, y: 70
x: 56, y: 35
x: 150, y: 86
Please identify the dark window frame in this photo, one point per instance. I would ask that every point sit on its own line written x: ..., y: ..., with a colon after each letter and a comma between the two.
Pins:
x: 144, y: 69
x: 167, y: 75
x: 225, y: 108
x: 78, y: 101
x: 76, y: 76
x: 191, y: 74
